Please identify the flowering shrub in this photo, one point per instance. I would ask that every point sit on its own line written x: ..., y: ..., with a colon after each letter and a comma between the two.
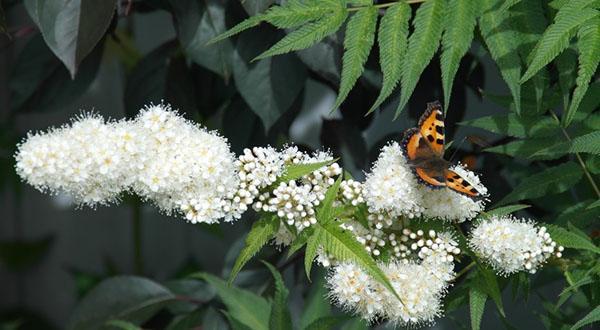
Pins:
x: 385, y: 260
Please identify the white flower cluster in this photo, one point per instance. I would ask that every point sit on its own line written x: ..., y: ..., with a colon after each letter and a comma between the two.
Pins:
x: 90, y: 159
x: 420, y: 288
x: 392, y: 187
x: 159, y: 155
x: 511, y: 245
x: 295, y: 201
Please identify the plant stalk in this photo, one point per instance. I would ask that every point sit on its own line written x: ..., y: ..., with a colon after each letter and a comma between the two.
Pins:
x: 579, y: 159
x: 136, y: 221
x: 465, y: 270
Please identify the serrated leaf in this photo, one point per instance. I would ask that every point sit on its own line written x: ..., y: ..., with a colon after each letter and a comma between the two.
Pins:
x: 580, y: 213
x: 296, y: 12
x: 296, y: 171
x: 530, y: 23
x: 360, y: 35
x: 552, y: 180
x: 280, y: 314
x: 392, y: 39
x: 508, y: 209
x: 477, y: 300
x: 462, y: 17
x: 422, y: 45
x: 262, y: 231
x: 589, y: 57
x: 516, y: 126
x: 591, y: 317
x: 526, y: 148
x: 311, y: 33
x: 123, y: 325
x: 588, y: 143
x: 502, y: 43
x: 242, y: 26
x: 325, y: 211
x: 246, y: 307
x: 312, y: 246
x: 344, y: 246
x: 566, y: 64
x: 300, y: 240
x: 569, y: 239
x: 488, y: 283
x: 556, y: 38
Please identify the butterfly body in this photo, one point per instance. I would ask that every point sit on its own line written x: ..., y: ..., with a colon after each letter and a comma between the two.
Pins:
x: 423, y: 147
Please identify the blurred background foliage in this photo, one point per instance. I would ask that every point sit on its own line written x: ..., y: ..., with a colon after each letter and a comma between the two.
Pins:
x: 114, y: 57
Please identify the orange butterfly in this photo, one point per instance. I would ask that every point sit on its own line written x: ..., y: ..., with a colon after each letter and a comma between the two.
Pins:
x: 423, y: 147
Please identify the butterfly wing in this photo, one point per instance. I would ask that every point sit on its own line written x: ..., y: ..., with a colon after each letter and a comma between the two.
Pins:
x: 431, y: 127
x: 418, y: 151
x: 455, y: 182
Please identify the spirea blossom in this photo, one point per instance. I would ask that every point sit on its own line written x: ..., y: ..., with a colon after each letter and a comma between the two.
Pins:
x: 511, y: 245
x: 164, y: 158
x: 448, y: 205
x: 185, y: 168
x: 295, y: 201
x: 420, y: 287
x: 391, y: 186
x: 89, y: 159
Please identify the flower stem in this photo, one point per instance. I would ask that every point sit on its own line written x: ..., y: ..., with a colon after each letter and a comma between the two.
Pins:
x: 465, y: 270
x: 579, y: 159
x: 136, y: 221
x: 385, y: 5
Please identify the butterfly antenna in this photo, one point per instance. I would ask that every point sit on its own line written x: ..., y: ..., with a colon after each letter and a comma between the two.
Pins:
x: 457, y: 148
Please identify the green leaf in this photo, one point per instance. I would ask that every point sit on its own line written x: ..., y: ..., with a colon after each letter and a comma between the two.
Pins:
x: 593, y: 205
x: 580, y: 213
x: 310, y: 33
x: 40, y: 82
x: 360, y: 35
x: 566, y: 64
x: 516, y: 126
x: 569, y: 239
x: 326, y: 323
x: 477, y: 300
x: 488, y: 283
x: 21, y: 255
x: 556, y: 38
x: 73, y: 28
x: 324, y: 213
x: 589, y: 57
x: 300, y: 240
x: 246, y: 24
x: 192, y: 320
x: 316, y: 305
x: 422, y: 45
x: 530, y: 23
x: 197, y: 22
x: 296, y: 171
x: 461, y: 18
x: 191, y: 288
x: 280, y: 314
x: 260, y: 234
x: 295, y: 13
x: 500, y: 38
x: 269, y: 86
x: 591, y: 317
x: 123, y: 325
x: 344, y: 246
x: 254, y: 7
x: 508, y: 209
x: 526, y: 148
x: 552, y: 180
x: 588, y: 143
x: 312, y: 246
x: 246, y: 307
x: 392, y: 40
x: 128, y: 298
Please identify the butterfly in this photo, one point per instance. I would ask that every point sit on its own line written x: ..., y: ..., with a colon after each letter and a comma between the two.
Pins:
x: 423, y: 147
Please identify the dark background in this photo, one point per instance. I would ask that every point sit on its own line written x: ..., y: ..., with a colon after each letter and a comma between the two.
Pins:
x: 53, y: 252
